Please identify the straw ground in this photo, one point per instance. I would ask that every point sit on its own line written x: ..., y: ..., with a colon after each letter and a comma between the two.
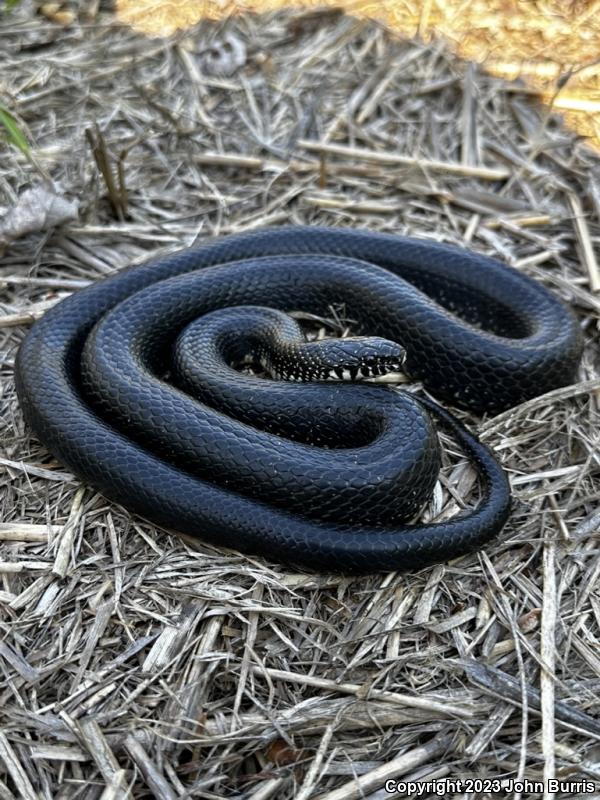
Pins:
x: 137, y: 661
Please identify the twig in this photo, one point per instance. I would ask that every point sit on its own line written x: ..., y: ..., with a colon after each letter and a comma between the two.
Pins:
x: 15, y: 769
x: 444, y: 709
x: 357, y: 788
x: 63, y: 555
x: 396, y: 159
x: 548, y: 660
x: 117, y: 197
x: 498, y: 683
x: 156, y: 781
x: 585, y: 241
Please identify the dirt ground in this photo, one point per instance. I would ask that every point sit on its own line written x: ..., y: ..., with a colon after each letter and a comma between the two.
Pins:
x: 139, y: 663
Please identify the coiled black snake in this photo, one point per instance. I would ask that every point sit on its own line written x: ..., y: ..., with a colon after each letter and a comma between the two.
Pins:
x: 321, y: 474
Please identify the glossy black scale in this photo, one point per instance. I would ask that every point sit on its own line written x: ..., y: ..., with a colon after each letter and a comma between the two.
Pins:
x: 329, y: 474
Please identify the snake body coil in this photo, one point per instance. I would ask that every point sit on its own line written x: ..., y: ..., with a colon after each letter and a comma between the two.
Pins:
x: 318, y: 474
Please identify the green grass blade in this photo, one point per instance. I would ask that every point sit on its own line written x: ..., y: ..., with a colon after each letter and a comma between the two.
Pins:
x: 12, y: 130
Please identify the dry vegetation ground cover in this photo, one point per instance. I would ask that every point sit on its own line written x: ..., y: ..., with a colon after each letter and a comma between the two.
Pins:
x: 553, y: 45
x: 132, y: 659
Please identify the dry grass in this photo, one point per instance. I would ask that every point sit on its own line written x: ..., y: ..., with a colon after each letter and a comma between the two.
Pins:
x: 552, y: 44
x: 133, y: 659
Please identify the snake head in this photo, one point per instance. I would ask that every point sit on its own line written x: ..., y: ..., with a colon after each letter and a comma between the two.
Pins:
x: 356, y: 358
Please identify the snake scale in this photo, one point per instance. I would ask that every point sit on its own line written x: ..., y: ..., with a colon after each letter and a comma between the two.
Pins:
x: 132, y: 383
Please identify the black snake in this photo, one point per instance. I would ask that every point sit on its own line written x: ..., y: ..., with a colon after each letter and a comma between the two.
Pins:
x: 322, y: 474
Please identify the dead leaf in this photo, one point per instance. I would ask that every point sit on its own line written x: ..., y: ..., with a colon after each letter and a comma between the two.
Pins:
x: 36, y: 210
x: 529, y: 622
x: 281, y: 754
